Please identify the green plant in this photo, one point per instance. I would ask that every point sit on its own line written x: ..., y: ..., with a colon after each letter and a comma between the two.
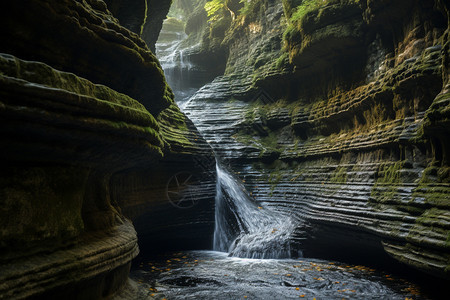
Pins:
x: 212, y: 9
x: 292, y: 31
x: 306, y: 7
x: 248, y: 6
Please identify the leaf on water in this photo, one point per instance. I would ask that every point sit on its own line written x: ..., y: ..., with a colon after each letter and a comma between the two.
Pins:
x: 302, y: 296
x: 259, y: 207
x: 298, y: 289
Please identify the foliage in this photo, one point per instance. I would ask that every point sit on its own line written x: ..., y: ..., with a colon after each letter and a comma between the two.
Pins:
x: 299, y: 13
x: 248, y: 6
x: 306, y: 7
x: 213, y: 8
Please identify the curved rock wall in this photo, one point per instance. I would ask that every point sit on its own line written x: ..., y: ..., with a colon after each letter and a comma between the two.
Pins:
x: 156, y: 13
x: 89, y: 136
x: 338, y: 117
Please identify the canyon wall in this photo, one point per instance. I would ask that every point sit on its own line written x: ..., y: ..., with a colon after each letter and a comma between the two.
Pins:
x: 143, y: 17
x: 336, y: 113
x: 91, y: 141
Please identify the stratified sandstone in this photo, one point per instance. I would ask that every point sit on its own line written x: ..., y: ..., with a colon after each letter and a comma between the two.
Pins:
x: 338, y: 116
x: 87, y: 123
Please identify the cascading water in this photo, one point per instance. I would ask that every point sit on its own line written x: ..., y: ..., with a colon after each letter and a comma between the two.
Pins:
x: 243, y: 228
x: 175, y: 64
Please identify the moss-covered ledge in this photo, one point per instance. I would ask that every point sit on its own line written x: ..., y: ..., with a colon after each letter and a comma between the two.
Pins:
x: 40, y: 104
x: 95, y: 267
x: 83, y: 37
x: 62, y: 137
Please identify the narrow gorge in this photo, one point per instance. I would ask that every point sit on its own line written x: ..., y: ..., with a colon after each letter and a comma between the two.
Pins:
x: 225, y: 149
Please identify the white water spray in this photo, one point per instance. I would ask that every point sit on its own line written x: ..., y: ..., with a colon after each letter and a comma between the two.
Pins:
x: 243, y: 228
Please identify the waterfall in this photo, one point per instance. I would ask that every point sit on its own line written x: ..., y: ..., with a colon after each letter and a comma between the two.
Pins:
x: 176, y: 65
x: 243, y: 228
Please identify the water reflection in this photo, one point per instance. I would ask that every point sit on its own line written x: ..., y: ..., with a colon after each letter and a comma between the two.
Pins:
x: 215, y: 275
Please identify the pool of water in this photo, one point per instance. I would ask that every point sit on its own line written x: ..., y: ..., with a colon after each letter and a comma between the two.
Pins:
x: 214, y: 275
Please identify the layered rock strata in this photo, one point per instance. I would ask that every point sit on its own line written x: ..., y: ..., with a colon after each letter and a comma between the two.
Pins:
x: 337, y: 115
x: 89, y: 136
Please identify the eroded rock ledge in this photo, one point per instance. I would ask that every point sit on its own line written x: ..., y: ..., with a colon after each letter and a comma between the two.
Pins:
x: 339, y: 118
x: 87, y: 123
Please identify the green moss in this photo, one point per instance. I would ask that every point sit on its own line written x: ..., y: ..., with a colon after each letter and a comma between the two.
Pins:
x: 387, y: 183
x: 41, y: 204
x: 339, y: 175
x: 174, y: 129
x: 435, y: 195
x: 283, y: 60
x: 250, y: 6
x: 274, y: 179
x: 294, y: 36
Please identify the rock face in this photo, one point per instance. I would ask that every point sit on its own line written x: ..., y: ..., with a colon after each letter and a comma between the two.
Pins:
x: 157, y: 12
x: 338, y: 116
x: 143, y: 17
x: 90, y: 136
